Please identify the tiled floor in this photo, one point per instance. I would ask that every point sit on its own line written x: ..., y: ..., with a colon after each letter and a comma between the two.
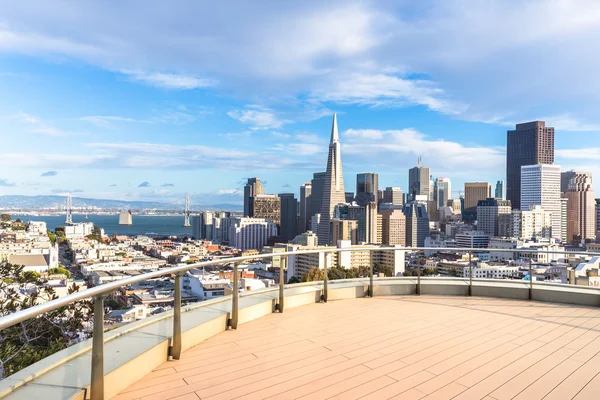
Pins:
x: 394, y: 347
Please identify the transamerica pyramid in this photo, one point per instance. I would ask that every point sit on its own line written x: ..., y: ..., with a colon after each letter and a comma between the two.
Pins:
x: 333, y: 189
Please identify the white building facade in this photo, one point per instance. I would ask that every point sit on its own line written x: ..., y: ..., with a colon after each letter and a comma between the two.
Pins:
x: 540, y: 185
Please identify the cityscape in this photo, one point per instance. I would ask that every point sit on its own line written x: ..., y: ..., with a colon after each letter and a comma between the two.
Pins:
x: 325, y: 203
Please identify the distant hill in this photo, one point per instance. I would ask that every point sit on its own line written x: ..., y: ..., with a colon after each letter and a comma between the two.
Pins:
x: 39, y: 202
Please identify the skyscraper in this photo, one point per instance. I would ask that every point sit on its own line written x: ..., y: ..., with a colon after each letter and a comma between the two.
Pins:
x: 251, y: 189
x: 349, y: 197
x: 540, y: 185
x: 530, y: 143
x: 494, y: 217
x: 442, y: 191
x: 499, y: 193
x: 417, y: 224
x: 305, y: 207
x: 317, y: 184
x: 393, y: 227
x: 418, y: 180
x: 289, y: 216
x: 267, y: 206
x: 251, y: 233
x: 343, y: 230
x: 367, y: 182
x: 333, y: 188
x: 565, y: 178
x: 474, y: 192
x: 393, y: 195
x: 581, y: 208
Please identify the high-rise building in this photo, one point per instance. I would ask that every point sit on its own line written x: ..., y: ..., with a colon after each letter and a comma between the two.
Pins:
x: 305, y: 207
x: 202, y: 225
x: 393, y: 227
x: 393, y: 195
x: 499, y: 194
x: 317, y: 185
x: 432, y: 211
x: 365, y: 217
x: 565, y: 178
x: 417, y: 224
x: 597, y: 216
x: 564, y: 213
x: 221, y: 227
x: 367, y: 182
x: 349, y: 197
x: 267, y: 206
x: 251, y: 189
x: 289, y: 216
x: 442, y: 191
x: 333, y: 189
x: 372, y: 232
x: 540, y: 185
x: 250, y: 233
x: 419, y: 181
x: 533, y: 223
x: 529, y: 144
x: 343, y: 230
x: 455, y: 204
x: 581, y: 208
x: 472, y: 240
x: 494, y: 217
x: 474, y: 193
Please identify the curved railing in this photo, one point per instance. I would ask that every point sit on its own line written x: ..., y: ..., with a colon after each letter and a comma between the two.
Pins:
x: 99, y: 293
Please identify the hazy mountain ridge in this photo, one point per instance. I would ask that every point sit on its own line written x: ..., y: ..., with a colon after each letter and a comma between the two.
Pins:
x: 52, y: 201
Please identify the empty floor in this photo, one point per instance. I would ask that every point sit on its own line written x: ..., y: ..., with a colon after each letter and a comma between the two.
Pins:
x: 426, y: 347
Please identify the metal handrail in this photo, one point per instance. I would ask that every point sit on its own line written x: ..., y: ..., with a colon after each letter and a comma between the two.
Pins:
x: 100, y: 292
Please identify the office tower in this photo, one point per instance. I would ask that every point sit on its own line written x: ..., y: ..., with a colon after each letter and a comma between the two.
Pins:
x: 432, y: 211
x: 432, y: 195
x: 333, y: 188
x: 597, y: 216
x: 418, y: 180
x: 251, y: 189
x: 474, y: 192
x: 564, y: 211
x: 455, y: 204
x: 251, y: 233
x: 349, y: 197
x: 195, y: 221
x: 417, y: 224
x: 393, y: 227
x: 202, y: 225
x: 393, y: 195
x: 581, y: 208
x: 315, y: 220
x: 529, y: 144
x: 533, y: 223
x: 565, y: 179
x: 267, y: 206
x: 343, y: 230
x: 305, y: 207
x: 380, y: 196
x: 442, y: 191
x: 540, y: 185
x: 472, y: 240
x: 499, y: 190
x: 367, y: 182
x: 289, y: 216
x: 494, y: 217
x: 372, y: 235
x: 317, y: 184
x: 221, y: 226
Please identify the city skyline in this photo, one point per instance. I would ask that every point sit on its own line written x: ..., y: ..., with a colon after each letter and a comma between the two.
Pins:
x: 100, y: 120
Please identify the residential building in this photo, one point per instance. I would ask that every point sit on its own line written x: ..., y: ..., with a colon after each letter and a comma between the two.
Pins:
x: 289, y: 216
x: 540, y: 185
x: 333, y: 189
x: 581, y: 208
x: 252, y: 188
x: 251, y: 233
x: 494, y: 217
x: 474, y: 192
x: 267, y: 206
x: 499, y: 193
x: 343, y: 230
x: 393, y: 195
x: 418, y: 180
x: 417, y: 224
x: 393, y: 227
x: 529, y: 144
x: 533, y: 223
x: 307, y: 238
x: 305, y: 207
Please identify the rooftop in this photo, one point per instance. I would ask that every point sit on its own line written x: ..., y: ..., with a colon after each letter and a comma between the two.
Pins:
x: 397, y: 347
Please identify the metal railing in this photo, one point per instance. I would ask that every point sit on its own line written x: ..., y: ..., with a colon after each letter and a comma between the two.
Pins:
x: 99, y: 293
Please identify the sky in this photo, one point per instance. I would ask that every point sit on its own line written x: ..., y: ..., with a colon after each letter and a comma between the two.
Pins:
x: 154, y: 100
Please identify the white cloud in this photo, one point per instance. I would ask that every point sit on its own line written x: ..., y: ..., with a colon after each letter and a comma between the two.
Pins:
x: 588, y: 153
x: 32, y: 124
x: 235, y: 192
x: 257, y: 116
x: 106, y: 121
x: 170, y: 81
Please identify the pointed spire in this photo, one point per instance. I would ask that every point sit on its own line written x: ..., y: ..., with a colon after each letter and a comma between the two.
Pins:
x: 334, y: 130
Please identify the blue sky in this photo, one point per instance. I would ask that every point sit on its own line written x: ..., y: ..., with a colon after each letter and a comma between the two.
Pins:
x: 193, y: 97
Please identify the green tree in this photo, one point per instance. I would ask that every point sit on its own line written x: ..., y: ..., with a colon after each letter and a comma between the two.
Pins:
x: 315, y: 274
x: 18, y: 221
x: 36, y: 338
x: 293, y: 280
x: 188, y: 262
x: 336, y: 273
x: 383, y: 269
x: 430, y: 271
x: 4, y: 217
x: 52, y: 237
x: 59, y: 271
x: 453, y: 272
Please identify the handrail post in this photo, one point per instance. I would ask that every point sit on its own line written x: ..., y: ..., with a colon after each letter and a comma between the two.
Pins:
x: 325, y: 279
x: 530, y: 277
x: 419, y: 275
x: 176, y: 347
x: 282, y: 264
x: 233, y: 321
x: 97, y: 382
x: 371, y: 288
x: 470, y: 274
